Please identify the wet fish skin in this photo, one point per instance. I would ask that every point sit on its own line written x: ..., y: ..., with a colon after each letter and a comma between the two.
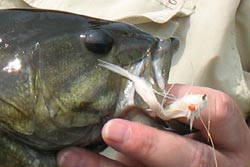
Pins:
x: 58, y: 96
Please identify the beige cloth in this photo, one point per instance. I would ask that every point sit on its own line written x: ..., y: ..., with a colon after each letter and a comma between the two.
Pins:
x: 214, y: 35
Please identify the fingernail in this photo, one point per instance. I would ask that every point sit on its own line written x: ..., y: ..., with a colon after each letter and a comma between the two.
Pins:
x: 117, y: 131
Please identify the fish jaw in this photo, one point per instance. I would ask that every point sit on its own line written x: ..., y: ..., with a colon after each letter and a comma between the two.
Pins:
x: 145, y: 76
x: 161, y: 61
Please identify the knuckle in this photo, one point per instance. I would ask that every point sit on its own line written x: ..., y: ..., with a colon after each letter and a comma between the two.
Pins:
x: 202, y: 157
x: 223, y: 104
x: 225, y: 100
x: 147, y: 146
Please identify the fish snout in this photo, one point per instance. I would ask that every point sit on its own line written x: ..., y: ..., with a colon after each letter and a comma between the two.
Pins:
x: 175, y: 44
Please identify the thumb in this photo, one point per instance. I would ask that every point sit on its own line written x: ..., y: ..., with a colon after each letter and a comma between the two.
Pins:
x: 153, y: 147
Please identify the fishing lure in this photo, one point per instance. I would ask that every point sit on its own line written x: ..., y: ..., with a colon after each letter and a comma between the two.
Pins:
x: 189, y: 106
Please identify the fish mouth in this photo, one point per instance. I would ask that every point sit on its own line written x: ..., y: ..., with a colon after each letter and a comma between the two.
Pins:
x: 154, y: 68
x: 161, y: 61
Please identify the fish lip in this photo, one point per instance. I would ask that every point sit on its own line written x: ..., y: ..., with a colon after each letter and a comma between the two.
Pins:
x: 157, y: 59
x: 161, y: 60
x: 175, y: 44
x: 148, y: 68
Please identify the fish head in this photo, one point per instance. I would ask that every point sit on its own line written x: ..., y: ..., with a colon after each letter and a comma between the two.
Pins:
x: 56, y: 89
x: 59, y: 96
x: 126, y: 45
x: 119, y: 43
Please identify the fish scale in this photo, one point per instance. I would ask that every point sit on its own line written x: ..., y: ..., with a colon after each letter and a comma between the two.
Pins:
x: 53, y: 94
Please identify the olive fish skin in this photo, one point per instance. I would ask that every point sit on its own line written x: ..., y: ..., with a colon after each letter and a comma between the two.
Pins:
x: 52, y: 92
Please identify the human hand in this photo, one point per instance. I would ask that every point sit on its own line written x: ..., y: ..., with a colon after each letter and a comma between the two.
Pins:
x: 141, y: 145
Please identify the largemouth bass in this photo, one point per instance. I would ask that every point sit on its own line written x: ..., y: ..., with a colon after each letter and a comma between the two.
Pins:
x: 53, y: 94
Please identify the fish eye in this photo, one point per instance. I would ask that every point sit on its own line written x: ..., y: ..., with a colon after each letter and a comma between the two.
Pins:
x: 98, y: 41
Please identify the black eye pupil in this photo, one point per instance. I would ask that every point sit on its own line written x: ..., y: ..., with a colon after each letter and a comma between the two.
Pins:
x: 98, y: 41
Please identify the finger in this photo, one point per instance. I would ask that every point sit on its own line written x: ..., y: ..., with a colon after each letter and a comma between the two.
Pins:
x: 77, y: 157
x: 153, y: 147
x: 128, y: 160
x: 225, y: 116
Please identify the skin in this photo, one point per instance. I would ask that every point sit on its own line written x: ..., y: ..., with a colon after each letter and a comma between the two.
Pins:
x: 141, y: 145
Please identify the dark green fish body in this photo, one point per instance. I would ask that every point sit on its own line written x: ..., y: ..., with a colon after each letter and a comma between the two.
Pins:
x: 52, y: 92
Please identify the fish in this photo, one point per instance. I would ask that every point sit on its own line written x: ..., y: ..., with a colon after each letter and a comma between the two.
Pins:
x: 54, y: 93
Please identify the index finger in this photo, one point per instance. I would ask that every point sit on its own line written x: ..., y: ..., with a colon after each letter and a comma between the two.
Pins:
x: 224, y: 115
